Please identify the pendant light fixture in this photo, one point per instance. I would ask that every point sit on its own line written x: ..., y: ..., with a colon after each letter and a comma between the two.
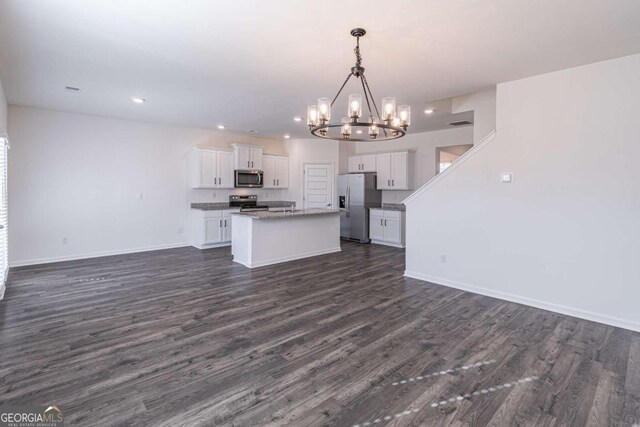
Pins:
x: 391, y: 124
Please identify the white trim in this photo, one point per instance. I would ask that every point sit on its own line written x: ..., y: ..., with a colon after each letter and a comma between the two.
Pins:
x: 2, y: 289
x: 37, y: 261
x: 381, y: 242
x: 466, y: 156
x: 289, y: 258
x: 211, y: 245
x: 556, y: 308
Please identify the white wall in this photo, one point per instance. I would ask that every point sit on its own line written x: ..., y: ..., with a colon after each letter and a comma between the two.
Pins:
x: 424, y: 144
x: 303, y: 151
x: 565, y: 234
x: 3, y: 112
x: 483, y: 105
x: 79, y: 177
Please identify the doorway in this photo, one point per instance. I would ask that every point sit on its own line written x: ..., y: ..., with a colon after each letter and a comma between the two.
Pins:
x: 445, y: 156
x: 318, y: 185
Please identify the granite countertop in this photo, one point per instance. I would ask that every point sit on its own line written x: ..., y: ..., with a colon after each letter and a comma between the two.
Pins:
x: 392, y: 207
x: 219, y: 206
x: 288, y: 214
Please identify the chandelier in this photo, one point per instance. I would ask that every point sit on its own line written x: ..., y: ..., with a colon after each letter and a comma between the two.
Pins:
x: 392, y: 124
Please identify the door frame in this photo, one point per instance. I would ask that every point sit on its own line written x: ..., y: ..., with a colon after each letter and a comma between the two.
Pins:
x: 332, y: 186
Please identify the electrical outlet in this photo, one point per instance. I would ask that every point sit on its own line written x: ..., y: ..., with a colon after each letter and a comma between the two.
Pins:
x: 443, y: 258
x: 180, y: 230
x: 65, y: 241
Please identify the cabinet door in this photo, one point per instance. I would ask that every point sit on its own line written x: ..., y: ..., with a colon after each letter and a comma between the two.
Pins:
x: 269, y: 168
x: 368, y: 163
x: 213, y: 230
x: 208, y: 172
x: 376, y: 227
x: 383, y: 167
x: 283, y: 172
x: 256, y: 158
x: 226, y: 228
x: 399, y: 168
x: 225, y: 169
x: 354, y: 164
x: 243, y: 158
x: 392, y: 231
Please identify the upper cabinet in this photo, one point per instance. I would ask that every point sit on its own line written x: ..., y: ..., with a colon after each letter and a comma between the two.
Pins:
x: 395, y: 171
x: 276, y: 171
x: 211, y: 168
x: 247, y: 157
x: 364, y: 163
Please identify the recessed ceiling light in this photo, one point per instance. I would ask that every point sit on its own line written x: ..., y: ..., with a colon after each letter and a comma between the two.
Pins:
x: 138, y: 100
x: 358, y: 131
x: 221, y: 126
x: 429, y: 111
x: 287, y: 136
x: 252, y: 131
x: 297, y: 118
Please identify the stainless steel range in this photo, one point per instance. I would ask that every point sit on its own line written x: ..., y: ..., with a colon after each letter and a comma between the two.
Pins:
x: 248, y: 203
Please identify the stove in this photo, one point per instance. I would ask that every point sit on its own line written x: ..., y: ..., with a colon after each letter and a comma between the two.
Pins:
x: 248, y: 203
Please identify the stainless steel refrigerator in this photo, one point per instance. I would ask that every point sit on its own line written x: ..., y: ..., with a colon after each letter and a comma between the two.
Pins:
x: 356, y: 194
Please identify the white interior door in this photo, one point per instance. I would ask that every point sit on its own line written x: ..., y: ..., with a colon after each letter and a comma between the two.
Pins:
x: 318, y: 185
x: 4, y: 242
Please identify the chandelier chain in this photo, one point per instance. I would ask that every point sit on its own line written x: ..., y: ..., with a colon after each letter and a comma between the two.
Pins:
x: 356, y: 50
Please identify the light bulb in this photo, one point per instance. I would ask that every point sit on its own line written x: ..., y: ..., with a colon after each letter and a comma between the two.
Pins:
x: 404, y: 112
x: 324, y: 109
x: 355, y: 106
x: 312, y: 115
x: 389, y: 108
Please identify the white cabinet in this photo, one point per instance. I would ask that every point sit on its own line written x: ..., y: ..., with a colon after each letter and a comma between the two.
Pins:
x: 364, y: 163
x: 387, y: 227
x: 211, y: 229
x: 247, y: 157
x: 211, y: 168
x: 395, y: 171
x: 276, y: 171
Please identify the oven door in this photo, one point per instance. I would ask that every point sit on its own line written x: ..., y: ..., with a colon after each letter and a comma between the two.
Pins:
x: 248, y: 179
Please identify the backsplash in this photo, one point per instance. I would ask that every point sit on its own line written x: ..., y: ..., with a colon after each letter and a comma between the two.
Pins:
x: 222, y: 195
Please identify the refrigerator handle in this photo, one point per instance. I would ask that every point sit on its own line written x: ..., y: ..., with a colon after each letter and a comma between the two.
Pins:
x: 348, y: 199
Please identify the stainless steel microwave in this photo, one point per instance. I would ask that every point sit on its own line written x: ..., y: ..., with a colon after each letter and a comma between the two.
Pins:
x: 249, y: 179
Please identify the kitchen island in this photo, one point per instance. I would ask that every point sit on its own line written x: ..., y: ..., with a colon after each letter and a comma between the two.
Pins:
x: 265, y: 238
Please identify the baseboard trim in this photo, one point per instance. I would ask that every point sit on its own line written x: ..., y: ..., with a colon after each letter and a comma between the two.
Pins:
x: 38, y: 261
x: 380, y: 242
x: 556, y: 308
x: 3, y: 287
x: 288, y: 258
x: 211, y: 245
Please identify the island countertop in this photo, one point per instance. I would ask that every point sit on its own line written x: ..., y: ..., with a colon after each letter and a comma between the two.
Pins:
x: 287, y: 214
x: 219, y: 206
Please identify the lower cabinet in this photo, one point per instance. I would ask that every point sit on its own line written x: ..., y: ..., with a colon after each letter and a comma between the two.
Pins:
x: 211, y: 229
x: 387, y: 227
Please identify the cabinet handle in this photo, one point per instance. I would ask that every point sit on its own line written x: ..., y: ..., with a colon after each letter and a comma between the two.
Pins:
x: 385, y: 222
x: 388, y: 183
x: 381, y: 222
x: 225, y: 222
x: 220, y: 223
x: 393, y: 182
x: 278, y: 182
x: 251, y: 163
x: 274, y: 182
x: 219, y: 180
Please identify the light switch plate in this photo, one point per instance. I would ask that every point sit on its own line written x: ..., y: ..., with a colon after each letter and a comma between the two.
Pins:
x: 506, y: 177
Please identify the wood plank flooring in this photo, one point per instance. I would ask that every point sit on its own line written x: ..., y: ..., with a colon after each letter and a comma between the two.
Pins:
x: 187, y: 337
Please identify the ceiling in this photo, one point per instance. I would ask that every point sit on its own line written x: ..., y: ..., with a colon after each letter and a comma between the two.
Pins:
x: 255, y: 64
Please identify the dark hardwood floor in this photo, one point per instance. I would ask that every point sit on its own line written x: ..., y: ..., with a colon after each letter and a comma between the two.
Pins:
x: 187, y: 337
